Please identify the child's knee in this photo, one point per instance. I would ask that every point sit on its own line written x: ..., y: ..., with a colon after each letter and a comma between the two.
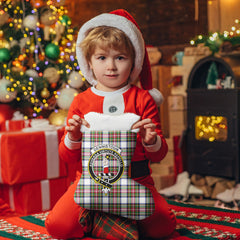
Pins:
x: 61, y: 229
x: 160, y: 224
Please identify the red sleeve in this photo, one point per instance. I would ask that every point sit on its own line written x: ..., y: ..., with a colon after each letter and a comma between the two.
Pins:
x: 150, y: 110
x: 66, y: 154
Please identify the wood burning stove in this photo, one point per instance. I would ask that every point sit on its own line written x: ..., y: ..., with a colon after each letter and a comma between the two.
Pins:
x: 213, y: 117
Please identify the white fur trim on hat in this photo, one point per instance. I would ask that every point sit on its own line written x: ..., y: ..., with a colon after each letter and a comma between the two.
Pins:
x: 122, y: 23
x: 156, y: 95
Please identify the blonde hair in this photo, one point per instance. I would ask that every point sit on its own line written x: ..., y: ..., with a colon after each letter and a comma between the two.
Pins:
x: 106, y: 37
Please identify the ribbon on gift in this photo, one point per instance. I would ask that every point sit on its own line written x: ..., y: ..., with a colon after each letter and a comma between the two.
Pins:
x: 35, y: 196
x: 45, y: 195
x: 45, y: 191
x: 51, y: 139
x: 15, y: 125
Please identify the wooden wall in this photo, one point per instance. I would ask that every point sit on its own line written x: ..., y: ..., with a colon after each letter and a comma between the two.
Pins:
x: 222, y: 15
x: 162, y: 22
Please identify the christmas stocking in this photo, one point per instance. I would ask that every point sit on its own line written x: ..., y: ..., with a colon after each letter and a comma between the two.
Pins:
x: 105, y: 184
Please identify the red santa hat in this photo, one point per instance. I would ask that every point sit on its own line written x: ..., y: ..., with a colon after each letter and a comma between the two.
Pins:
x: 122, y: 20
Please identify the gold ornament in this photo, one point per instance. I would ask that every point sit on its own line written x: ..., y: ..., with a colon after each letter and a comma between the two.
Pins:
x: 4, y: 43
x: 51, y: 74
x: 58, y: 118
x: 32, y: 48
x: 45, y: 93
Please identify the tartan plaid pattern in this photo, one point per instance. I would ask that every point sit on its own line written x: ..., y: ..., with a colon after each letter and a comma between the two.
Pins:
x: 119, y: 194
x: 86, y: 219
x: 111, y: 227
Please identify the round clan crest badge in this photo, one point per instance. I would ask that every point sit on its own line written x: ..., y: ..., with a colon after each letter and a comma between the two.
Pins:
x: 106, y: 165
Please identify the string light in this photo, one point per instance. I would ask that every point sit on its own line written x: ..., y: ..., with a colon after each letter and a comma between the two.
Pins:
x: 214, y: 40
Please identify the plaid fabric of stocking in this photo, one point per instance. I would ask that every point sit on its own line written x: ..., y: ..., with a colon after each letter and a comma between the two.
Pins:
x: 105, y: 184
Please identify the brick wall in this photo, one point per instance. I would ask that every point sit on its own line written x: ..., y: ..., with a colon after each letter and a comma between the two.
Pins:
x: 162, y: 22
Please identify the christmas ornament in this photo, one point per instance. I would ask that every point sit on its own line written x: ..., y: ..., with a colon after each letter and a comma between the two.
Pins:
x: 65, y: 20
x: 75, y: 79
x: 3, y: 17
x: 17, y: 69
x: 45, y: 93
x: 4, y: 55
x: 65, y: 98
x: 30, y: 21
x: 5, y: 95
x: 13, y: 43
x: 47, y: 16
x: 58, y: 118
x: 31, y: 73
x: 51, y: 74
x: 52, y: 51
x: 24, y: 41
x: 53, y: 85
x: 17, y: 66
x: 32, y: 48
x: 4, y: 43
x: 38, y: 3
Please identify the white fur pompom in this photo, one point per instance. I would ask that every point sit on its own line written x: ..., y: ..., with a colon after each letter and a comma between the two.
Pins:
x: 157, y: 96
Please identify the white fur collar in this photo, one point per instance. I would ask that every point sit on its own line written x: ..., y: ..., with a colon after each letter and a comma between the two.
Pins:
x: 103, y: 94
x: 104, y: 122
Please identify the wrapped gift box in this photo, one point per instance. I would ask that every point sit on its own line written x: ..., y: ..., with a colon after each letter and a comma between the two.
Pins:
x: 33, y: 197
x: 15, y: 125
x: 30, y: 156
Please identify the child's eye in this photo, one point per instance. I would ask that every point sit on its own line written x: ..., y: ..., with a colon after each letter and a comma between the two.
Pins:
x: 101, y: 58
x: 120, y: 57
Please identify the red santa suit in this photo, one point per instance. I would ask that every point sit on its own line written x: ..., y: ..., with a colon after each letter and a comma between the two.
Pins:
x: 62, y: 221
x: 129, y: 99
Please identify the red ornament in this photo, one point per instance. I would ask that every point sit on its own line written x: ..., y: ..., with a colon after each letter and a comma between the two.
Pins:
x: 38, y: 3
x: 53, y: 85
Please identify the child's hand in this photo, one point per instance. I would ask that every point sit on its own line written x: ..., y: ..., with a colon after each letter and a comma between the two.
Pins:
x: 74, y: 127
x: 147, y: 131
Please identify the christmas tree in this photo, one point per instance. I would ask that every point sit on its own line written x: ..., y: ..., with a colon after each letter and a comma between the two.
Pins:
x: 38, y: 66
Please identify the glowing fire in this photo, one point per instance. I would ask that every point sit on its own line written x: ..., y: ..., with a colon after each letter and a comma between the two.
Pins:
x: 211, y: 128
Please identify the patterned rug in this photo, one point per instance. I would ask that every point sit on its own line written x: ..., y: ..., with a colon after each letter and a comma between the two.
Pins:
x: 193, y: 222
x: 200, y: 222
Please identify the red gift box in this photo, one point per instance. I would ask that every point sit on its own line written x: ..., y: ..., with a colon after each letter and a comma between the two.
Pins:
x: 15, y: 125
x: 33, y: 197
x: 30, y: 156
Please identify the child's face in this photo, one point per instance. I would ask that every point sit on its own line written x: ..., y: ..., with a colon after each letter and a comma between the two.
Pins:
x: 111, y: 68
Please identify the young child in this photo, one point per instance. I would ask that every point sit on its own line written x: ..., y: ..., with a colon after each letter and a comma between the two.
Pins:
x: 112, y: 55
